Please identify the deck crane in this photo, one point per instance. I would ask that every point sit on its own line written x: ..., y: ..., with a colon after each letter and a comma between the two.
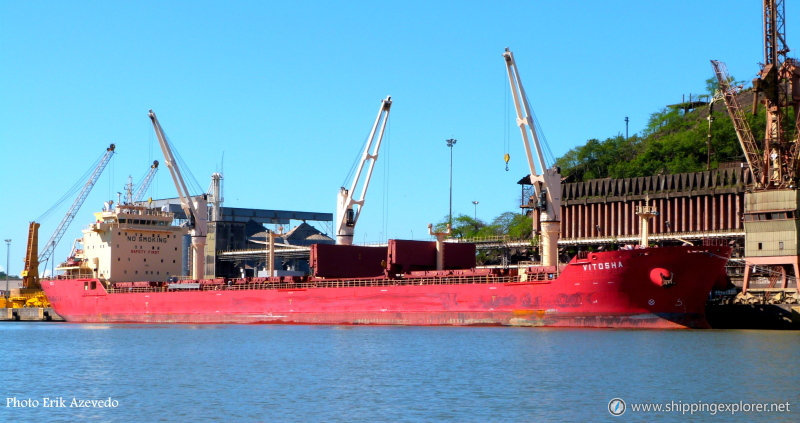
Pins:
x: 195, y: 208
x: 546, y: 181
x: 348, y: 208
x: 30, y: 275
x: 142, y: 188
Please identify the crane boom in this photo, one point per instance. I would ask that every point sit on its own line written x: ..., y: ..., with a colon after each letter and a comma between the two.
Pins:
x: 547, y: 182
x: 195, y: 208
x: 76, y: 205
x: 174, y: 171
x: 526, y: 120
x: 30, y: 274
x: 349, y: 207
x: 774, y: 163
x: 791, y: 71
x: 142, y: 188
x: 775, y: 46
x: 743, y: 133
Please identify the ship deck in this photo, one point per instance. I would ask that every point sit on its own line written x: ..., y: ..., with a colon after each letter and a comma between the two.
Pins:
x: 291, y: 285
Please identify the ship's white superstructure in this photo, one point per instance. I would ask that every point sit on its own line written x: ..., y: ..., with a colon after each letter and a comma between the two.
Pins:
x: 129, y: 243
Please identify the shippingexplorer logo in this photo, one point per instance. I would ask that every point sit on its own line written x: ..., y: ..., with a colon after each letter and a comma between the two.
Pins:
x: 617, y: 407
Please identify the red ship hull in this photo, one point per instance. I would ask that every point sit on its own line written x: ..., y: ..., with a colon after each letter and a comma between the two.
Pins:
x: 641, y: 288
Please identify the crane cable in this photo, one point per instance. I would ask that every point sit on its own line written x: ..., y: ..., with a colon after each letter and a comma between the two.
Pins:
x: 72, y: 190
x: 506, y: 116
x: 188, y: 177
x: 386, y: 168
x: 546, y: 152
x: 356, y: 161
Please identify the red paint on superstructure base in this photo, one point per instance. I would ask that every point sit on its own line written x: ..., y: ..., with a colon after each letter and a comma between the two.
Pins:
x: 606, y: 289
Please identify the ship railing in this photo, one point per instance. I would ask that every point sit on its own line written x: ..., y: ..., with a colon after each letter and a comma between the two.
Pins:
x: 450, y: 280
x: 484, y: 239
x: 76, y: 275
x: 340, y: 283
x: 133, y: 289
x: 182, y: 278
x: 351, y: 283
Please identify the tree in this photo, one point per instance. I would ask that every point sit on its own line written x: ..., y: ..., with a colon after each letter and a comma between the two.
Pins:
x: 515, y: 225
x: 463, y: 227
x: 600, y: 159
x: 511, y: 224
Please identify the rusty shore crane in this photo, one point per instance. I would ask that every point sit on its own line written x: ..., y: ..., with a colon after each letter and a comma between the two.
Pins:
x: 774, y: 161
x: 772, y: 238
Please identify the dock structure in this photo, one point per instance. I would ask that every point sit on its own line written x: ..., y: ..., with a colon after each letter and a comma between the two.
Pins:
x: 717, y: 205
x: 234, y: 234
x: 691, y: 206
x: 30, y: 314
x: 771, y: 245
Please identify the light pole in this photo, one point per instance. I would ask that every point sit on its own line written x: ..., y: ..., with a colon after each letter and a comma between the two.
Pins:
x: 8, y: 248
x: 626, y: 127
x: 475, y: 203
x: 450, y: 143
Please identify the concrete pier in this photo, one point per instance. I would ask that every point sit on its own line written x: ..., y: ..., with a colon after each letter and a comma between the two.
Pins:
x: 30, y: 314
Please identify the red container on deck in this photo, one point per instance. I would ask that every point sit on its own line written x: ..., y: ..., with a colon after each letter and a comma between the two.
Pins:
x: 354, y: 261
x: 459, y: 256
x: 405, y: 256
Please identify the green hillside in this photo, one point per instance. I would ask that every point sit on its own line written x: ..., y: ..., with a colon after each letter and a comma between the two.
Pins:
x: 674, y: 141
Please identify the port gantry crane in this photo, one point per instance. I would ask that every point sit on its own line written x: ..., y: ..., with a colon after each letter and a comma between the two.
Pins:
x: 30, y: 274
x: 195, y: 208
x: 547, y: 182
x: 774, y: 163
x: 348, y: 208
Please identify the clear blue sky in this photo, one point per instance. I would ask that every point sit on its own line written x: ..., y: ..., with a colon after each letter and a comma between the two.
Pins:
x: 287, y: 92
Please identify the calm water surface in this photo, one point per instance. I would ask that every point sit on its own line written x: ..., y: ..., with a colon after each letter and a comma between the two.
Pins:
x: 403, y: 374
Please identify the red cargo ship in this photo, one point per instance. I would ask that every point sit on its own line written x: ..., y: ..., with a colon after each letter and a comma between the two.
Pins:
x: 630, y: 288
